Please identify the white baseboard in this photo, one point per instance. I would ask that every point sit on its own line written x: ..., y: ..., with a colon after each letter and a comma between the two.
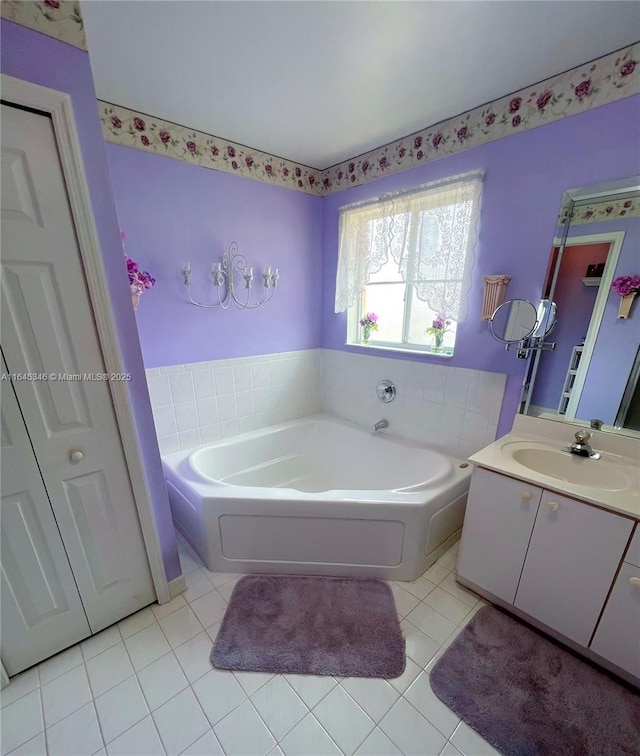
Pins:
x: 177, y: 586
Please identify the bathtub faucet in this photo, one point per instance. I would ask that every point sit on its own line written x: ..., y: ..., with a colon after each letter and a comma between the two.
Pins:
x: 380, y: 425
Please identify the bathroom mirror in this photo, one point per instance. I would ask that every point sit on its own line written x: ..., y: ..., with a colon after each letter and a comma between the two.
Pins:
x: 593, y: 373
x: 513, y: 321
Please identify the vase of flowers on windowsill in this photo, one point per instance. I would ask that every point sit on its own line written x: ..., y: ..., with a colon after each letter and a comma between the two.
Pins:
x: 368, y: 323
x: 627, y: 287
x: 438, y: 328
x: 139, y: 280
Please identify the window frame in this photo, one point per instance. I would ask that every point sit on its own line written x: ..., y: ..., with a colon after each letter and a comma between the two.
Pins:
x: 351, y: 275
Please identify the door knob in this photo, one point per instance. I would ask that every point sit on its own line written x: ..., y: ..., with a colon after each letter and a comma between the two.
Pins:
x: 553, y: 506
x: 75, y: 456
x: 525, y: 496
x: 635, y: 582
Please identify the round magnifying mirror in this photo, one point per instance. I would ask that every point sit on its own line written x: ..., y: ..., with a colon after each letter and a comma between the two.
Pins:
x: 513, y: 321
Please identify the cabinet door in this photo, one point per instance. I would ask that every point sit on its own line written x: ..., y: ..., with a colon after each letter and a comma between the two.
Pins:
x: 41, y: 608
x: 48, y: 328
x: 617, y: 637
x: 497, y: 527
x: 572, y: 560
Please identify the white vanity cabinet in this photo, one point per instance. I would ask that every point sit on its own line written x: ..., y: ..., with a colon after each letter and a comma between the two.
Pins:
x: 558, y: 562
x: 497, y: 528
x: 618, y: 635
x: 572, y: 559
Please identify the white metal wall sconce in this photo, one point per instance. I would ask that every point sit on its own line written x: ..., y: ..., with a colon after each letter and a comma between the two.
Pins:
x: 234, y: 271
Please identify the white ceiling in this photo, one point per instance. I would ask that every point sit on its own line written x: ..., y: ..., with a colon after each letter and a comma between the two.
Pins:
x: 320, y: 82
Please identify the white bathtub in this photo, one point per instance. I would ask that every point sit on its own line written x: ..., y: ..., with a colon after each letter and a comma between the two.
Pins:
x: 317, y: 496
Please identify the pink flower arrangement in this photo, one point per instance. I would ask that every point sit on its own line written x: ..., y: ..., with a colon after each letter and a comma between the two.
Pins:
x: 369, y: 323
x: 625, y: 285
x: 139, y: 280
x: 438, y: 328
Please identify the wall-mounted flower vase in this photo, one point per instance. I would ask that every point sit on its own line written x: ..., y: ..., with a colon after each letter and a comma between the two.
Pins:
x: 625, y: 304
x: 135, y: 300
x: 627, y: 287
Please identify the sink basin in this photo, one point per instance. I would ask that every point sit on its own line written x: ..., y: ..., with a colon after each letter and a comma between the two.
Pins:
x: 579, y: 471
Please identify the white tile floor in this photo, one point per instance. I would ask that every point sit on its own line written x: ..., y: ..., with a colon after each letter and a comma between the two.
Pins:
x: 145, y: 686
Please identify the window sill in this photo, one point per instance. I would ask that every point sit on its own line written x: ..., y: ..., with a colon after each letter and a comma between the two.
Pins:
x: 446, y: 355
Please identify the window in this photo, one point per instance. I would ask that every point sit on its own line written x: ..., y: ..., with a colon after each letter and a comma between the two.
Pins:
x: 408, y: 258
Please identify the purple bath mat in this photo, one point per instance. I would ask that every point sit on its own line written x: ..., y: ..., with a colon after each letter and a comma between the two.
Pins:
x: 529, y: 696
x: 311, y: 626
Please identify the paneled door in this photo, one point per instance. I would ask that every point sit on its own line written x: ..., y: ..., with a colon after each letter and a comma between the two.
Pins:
x: 41, y: 608
x: 48, y: 335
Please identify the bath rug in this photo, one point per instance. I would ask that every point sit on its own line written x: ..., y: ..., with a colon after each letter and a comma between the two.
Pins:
x: 311, y: 626
x: 529, y: 696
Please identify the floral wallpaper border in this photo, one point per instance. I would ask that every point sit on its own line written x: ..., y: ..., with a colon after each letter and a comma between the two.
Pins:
x: 131, y: 129
x: 61, y: 19
x: 603, y: 211
x: 610, y: 78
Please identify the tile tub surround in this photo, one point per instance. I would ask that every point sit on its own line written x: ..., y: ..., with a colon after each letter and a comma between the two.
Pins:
x: 145, y: 686
x: 205, y: 401
x: 453, y: 410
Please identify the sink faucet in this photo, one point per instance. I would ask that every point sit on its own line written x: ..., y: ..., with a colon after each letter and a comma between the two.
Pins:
x: 581, y: 446
x: 380, y: 425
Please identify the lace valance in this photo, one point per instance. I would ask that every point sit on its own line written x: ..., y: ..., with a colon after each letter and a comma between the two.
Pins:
x: 430, y: 233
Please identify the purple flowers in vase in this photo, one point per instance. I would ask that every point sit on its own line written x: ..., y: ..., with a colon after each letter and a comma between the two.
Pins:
x: 438, y: 328
x: 627, y: 287
x: 368, y: 323
x: 139, y: 280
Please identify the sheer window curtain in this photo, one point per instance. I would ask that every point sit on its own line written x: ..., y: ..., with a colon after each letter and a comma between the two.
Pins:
x: 431, y: 234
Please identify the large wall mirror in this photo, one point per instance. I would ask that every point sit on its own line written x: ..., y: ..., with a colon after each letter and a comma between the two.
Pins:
x: 593, y: 372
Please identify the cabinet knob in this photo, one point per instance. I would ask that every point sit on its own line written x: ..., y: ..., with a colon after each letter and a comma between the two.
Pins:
x: 635, y: 582
x: 525, y: 496
x: 553, y: 506
x: 75, y: 456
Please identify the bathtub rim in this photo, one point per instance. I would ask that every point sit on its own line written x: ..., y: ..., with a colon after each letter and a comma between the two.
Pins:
x: 179, y: 470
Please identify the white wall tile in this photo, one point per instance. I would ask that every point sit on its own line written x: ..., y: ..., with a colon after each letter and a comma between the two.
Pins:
x: 260, y: 374
x: 169, y: 444
x: 204, y: 384
x: 189, y: 439
x: 261, y: 400
x: 170, y: 369
x: 182, y: 388
x: 229, y: 428
x: 159, y: 390
x: 224, y: 380
x: 165, y: 420
x: 451, y: 409
x: 186, y: 416
x: 227, y: 407
x: 209, y: 433
x: 244, y: 403
x: 247, y: 424
x: 207, y: 411
x: 242, y: 378
x: 276, y: 372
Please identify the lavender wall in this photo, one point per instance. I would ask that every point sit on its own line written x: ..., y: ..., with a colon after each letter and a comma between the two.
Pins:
x: 525, y: 177
x: 35, y: 57
x: 172, y: 212
x: 575, y: 306
x: 618, y: 339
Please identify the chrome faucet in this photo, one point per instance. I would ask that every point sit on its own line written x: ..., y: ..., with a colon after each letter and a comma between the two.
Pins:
x: 581, y: 446
x: 380, y: 425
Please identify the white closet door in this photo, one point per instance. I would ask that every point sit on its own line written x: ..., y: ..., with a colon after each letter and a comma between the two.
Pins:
x: 41, y: 608
x: 48, y: 328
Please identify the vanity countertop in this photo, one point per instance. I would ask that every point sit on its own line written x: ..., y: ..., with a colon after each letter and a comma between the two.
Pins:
x: 626, y: 501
